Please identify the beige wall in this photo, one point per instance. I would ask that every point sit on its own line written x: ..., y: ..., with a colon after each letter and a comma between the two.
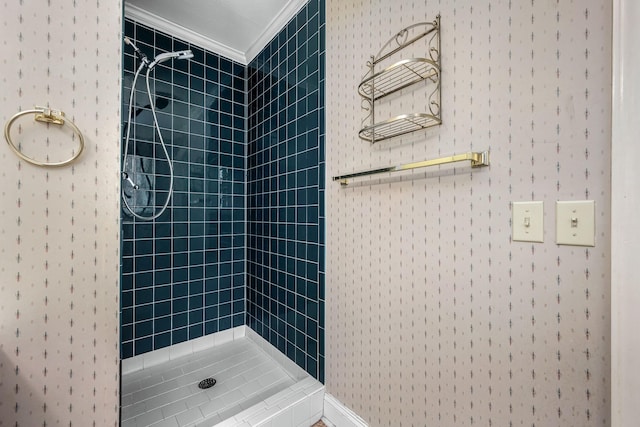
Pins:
x: 59, y: 233
x: 434, y: 316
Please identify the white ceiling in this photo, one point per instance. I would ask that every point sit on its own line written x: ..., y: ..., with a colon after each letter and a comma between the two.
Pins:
x: 237, y: 29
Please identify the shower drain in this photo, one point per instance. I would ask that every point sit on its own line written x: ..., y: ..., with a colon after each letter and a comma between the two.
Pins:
x: 207, y: 383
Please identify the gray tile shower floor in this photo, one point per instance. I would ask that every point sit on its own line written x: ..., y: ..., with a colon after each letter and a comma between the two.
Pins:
x: 168, y: 394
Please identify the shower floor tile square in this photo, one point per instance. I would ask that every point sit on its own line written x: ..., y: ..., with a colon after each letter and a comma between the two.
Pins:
x: 168, y: 394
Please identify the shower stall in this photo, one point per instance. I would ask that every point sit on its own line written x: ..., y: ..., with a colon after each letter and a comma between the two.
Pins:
x: 222, y: 227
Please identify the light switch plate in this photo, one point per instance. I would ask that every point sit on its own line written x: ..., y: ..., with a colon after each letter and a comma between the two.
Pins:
x: 527, y: 221
x: 575, y: 223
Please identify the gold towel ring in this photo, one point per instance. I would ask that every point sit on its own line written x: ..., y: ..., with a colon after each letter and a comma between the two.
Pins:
x: 46, y: 115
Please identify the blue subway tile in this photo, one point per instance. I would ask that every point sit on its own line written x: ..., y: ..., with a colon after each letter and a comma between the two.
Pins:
x: 162, y: 230
x: 162, y: 277
x: 237, y: 320
x: 127, y: 248
x: 127, y: 265
x: 144, y: 296
x: 126, y: 299
x: 196, y: 330
x: 161, y: 340
x: 126, y: 333
x: 162, y: 261
x: 143, y: 314
x: 196, y: 257
x: 225, y: 323
x: 145, y: 34
x: 226, y: 65
x: 162, y: 309
x: 162, y: 324
x: 225, y: 309
x: 181, y: 260
x: 143, y: 345
x: 196, y: 315
x: 211, y: 326
x: 211, y: 59
x: 180, y: 320
x: 197, y: 67
x: 197, y: 142
x: 196, y: 287
x: 126, y: 316
x: 211, y: 300
x: 127, y: 231
x: 143, y: 279
x: 196, y: 302
x: 178, y: 335
x: 180, y: 289
x: 162, y: 293
x: 211, y: 313
x: 126, y: 349
x: 143, y: 329
x: 180, y: 305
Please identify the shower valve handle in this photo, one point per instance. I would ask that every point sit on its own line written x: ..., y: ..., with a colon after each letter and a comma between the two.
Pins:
x: 126, y: 177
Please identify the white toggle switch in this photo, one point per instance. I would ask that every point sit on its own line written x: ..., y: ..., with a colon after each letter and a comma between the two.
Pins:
x: 527, y: 221
x: 575, y: 223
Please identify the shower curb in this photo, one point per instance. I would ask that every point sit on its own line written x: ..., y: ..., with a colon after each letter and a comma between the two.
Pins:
x: 299, y: 405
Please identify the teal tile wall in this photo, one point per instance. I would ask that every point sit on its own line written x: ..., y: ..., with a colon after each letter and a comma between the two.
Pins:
x: 183, y: 275
x: 285, y: 191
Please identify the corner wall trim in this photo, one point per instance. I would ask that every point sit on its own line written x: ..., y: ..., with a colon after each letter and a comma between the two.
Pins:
x: 339, y: 415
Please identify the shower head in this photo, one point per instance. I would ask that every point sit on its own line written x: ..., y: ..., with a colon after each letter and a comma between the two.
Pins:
x: 181, y: 54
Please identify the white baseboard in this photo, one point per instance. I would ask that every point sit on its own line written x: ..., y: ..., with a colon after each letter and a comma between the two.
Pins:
x: 339, y: 415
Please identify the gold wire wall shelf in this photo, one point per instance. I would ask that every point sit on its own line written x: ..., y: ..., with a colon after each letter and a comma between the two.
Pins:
x: 396, y: 126
x: 376, y: 85
x: 398, y: 76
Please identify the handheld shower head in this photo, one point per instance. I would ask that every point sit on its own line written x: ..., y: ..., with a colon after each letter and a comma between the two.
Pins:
x: 181, y: 54
x: 134, y: 210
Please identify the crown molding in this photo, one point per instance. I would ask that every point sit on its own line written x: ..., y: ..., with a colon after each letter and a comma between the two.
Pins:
x: 275, y: 26
x: 144, y: 17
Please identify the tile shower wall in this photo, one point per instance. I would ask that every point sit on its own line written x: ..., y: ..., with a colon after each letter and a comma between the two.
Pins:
x: 285, y: 191
x: 59, y: 233
x: 436, y: 317
x: 183, y: 273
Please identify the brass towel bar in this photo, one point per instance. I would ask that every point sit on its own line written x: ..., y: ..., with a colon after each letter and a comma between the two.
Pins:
x: 477, y: 159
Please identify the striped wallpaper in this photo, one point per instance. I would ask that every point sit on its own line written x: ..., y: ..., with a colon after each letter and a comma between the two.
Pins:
x: 59, y: 234
x: 434, y: 315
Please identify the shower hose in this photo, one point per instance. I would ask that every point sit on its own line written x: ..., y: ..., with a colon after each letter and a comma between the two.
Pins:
x: 125, y: 174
